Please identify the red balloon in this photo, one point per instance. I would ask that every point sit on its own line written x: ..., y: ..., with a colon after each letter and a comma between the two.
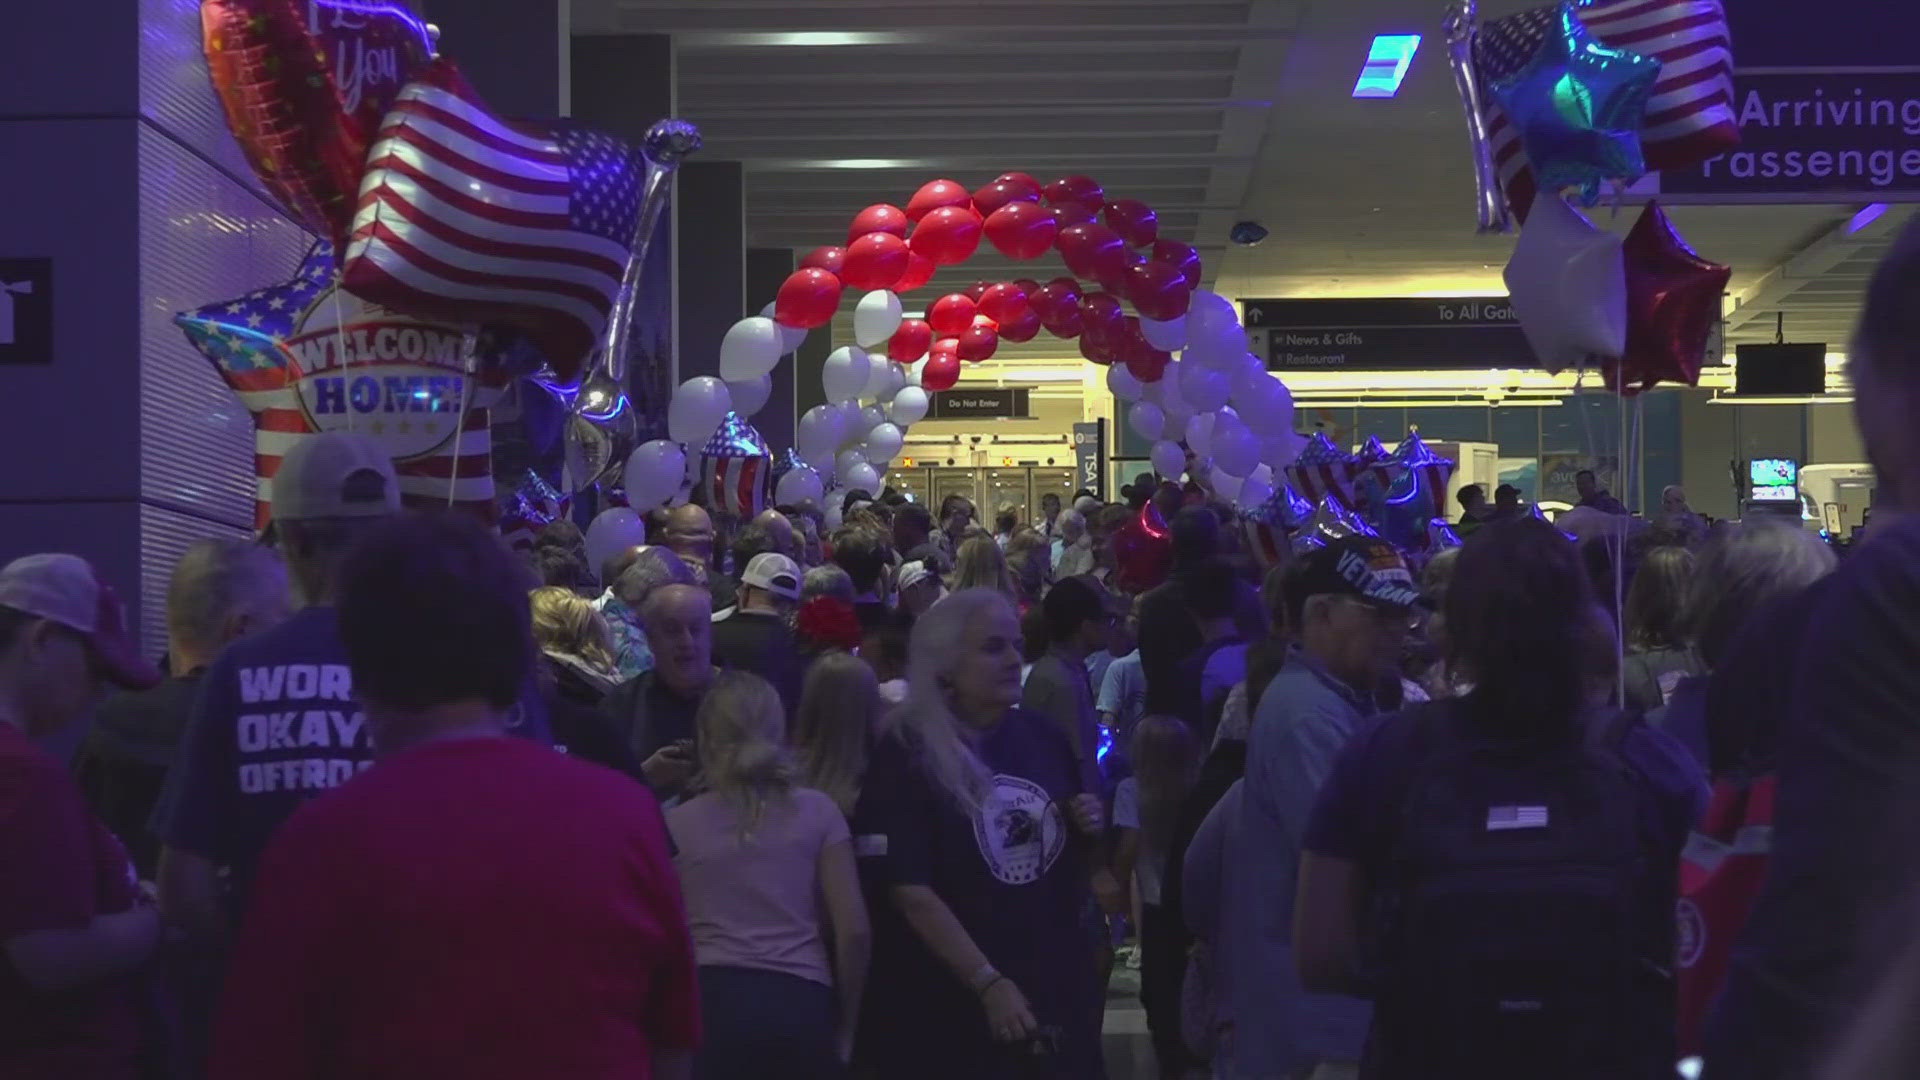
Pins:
x: 919, y: 272
x: 999, y: 193
x: 1134, y: 220
x: 1181, y: 257
x: 1055, y: 299
x: 1102, y: 316
x: 1022, y: 230
x: 951, y: 314
x: 1070, y: 214
x: 1004, y: 303
x: 1025, y: 180
x: 911, y: 341
x: 1158, y: 290
x: 977, y: 343
x: 831, y: 259
x: 875, y: 261
x: 304, y: 124
x: 1076, y: 189
x: 976, y: 290
x: 1100, y: 350
x: 935, y: 194
x: 1093, y: 250
x: 1113, y: 275
x: 941, y: 372
x: 1023, y: 328
x: 949, y: 345
x: 880, y: 217
x: 1065, y: 324
x: 1027, y: 285
x: 947, y: 234
x: 1142, y: 551
x: 807, y: 299
x: 1673, y: 302
x: 1148, y: 367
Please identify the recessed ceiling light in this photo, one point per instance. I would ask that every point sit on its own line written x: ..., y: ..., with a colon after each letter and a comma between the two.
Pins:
x: 1866, y: 217
x: 1387, y: 64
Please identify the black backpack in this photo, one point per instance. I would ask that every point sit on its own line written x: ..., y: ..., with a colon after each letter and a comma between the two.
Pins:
x: 1522, y: 930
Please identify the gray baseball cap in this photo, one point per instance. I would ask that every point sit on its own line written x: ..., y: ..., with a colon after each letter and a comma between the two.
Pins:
x: 336, y: 474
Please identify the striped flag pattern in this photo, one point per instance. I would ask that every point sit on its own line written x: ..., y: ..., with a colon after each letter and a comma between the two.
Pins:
x: 247, y: 340
x: 1323, y: 471
x: 734, y: 469
x: 465, y: 217
x: 1691, y: 115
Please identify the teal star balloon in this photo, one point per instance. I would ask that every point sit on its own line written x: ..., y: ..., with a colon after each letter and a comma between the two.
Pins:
x: 1577, y: 103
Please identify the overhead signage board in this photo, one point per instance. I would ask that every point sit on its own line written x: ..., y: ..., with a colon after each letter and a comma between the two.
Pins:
x: 992, y: 403
x: 1826, y: 135
x: 26, y: 311
x: 1387, y: 334
x: 1090, y: 457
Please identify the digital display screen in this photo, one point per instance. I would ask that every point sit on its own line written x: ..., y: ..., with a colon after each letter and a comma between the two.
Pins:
x: 1773, y: 473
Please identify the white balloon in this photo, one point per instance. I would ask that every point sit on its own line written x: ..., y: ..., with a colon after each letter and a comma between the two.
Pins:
x: 1224, y: 485
x: 1199, y: 433
x: 751, y: 348
x: 820, y: 463
x: 883, y: 442
x: 852, y: 428
x: 847, y: 459
x: 870, y: 417
x: 797, y: 485
x: 1267, y: 406
x: 614, y: 530
x: 1235, y: 449
x: 1256, y: 489
x: 1123, y: 384
x: 845, y: 373
x: 1147, y: 419
x: 914, y: 369
x: 875, y: 318
x: 1167, y: 336
x: 862, y: 477
x: 1280, y: 451
x: 1178, y: 417
x: 1209, y: 313
x: 884, y: 379
x: 1244, y: 372
x: 1203, y: 387
x: 835, y: 513
x: 909, y: 406
x: 818, y: 432
x: 1168, y: 459
x: 1170, y: 398
x: 698, y: 406
x: 750, y: 396
x: 790, y: 336
x: 653, y: 474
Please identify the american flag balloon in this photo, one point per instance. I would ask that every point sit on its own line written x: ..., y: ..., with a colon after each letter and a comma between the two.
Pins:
x: 1434, y: 471
x: 1374, y: 458
x: 1691, y: 115
x: 463, y: 216
x: 734, y: 466
x: 1322, y: 471
x: 307, y: 356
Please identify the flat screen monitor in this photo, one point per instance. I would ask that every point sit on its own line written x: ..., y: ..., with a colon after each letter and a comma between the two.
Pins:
x: 1780, y: 370
x: 1773, y: 480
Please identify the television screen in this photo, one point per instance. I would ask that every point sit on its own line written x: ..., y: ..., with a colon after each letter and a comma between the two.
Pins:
x: 1780, y: 370
x: 1774, y: 479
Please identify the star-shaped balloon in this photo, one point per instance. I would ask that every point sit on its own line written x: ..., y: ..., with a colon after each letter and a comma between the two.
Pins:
x: 1266, y: 526
x: 1374, y: 458
x: 1579, y: 105
x: 1420, y: 460
x: 734, y: 468
x: 1673, y: 302
x: 306, y: 356
x: 1567, y: 286
x: 1322, y: 470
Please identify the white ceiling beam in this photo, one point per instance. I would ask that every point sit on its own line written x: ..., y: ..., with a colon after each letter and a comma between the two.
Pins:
x: 1774, y: 290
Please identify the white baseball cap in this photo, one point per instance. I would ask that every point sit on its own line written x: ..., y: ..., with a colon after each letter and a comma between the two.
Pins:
x: 775, y: 573
x: 911, y: 574
x: 336, y: 474
x: 64, y: 589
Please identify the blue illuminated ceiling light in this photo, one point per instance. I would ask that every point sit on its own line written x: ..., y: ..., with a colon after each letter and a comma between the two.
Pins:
x: 1387, y: 64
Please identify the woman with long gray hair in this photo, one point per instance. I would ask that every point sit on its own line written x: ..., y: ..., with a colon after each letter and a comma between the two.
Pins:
x: 970, y: 829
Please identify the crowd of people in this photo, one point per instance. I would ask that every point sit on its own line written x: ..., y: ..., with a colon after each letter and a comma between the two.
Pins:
x: 769, y: 798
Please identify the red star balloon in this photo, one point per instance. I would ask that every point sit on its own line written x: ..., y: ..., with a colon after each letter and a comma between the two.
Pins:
x: 1673, y: 301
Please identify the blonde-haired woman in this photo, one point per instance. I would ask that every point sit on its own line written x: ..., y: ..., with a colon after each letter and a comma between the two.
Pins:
x: 982, y: 565
x: 773, y: 900
x: 971, y: 827
x: 577, y: 671
x: 838, y: 716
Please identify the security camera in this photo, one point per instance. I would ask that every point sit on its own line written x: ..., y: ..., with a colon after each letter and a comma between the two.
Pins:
x: 1247, y: 233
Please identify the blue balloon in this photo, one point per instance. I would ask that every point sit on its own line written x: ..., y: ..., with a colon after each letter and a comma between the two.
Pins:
x: 1579, y: 105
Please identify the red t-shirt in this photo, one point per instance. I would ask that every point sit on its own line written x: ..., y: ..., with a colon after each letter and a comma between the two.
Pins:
x: 466, y: 909
x: 59, y: 867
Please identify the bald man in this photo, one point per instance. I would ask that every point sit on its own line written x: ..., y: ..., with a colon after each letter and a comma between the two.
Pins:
x: 688, y: 531
x: 781, y: 529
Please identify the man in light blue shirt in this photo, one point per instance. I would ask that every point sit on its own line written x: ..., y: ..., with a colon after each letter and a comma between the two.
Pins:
x: 1352, y: 601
